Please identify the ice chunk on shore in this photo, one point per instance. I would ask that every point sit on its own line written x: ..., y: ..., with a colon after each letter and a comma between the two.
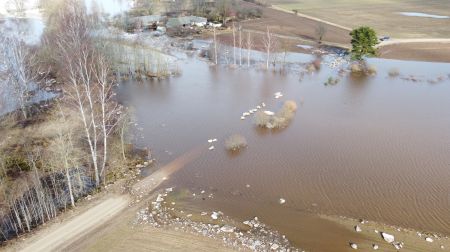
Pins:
x: 388, y: 237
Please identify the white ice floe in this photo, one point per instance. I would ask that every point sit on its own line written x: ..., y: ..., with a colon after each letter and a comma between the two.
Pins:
x: 214, y: 215
x: 269, y: 113
x: 388, y: 237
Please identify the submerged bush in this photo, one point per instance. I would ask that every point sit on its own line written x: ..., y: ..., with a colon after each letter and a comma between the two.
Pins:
x: 362, y: 69
x: 279, y: 120
x: 235, y: 142
x: 261, y: 119
x: 371, y: 70
x: 394, y: 73
x: 331, y: 81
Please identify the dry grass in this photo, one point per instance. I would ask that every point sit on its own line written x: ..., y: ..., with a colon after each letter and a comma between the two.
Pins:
x: 235, y: 142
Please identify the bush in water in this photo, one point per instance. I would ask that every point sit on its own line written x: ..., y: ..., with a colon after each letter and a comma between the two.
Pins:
x: 235, y: 142
x: 394, y: 73
x: 279, y: 120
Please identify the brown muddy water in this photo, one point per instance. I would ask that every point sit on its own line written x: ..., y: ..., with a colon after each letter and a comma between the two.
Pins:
x: 375, y: 148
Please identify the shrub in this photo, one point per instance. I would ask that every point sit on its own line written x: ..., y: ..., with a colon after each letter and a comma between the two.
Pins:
x: 15, y: 165
x: 361, y: 68
x: 261, y: 119
x: 331, y: 81
x: 371, y: 70
x: 278, y: 121
x: 290, y: 106
x: 356, y: 68
x: 235, y: 142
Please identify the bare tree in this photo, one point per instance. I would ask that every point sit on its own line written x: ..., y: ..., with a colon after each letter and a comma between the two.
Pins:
x: 234, y: 44
x: 223, y: 7
x: 215, y: 46
x: 19, y: 6
x: 321, y: 30
x: 199, y: 7
x: 269, y: 42
x: 21, y: 70
x: 88, y: 86
x: 240, y: 44
x: 249, y: 46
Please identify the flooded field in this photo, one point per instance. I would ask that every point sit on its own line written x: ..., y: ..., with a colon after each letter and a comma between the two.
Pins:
x: 374, y: 148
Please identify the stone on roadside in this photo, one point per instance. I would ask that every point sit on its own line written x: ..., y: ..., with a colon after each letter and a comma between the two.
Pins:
x: 429, y: 239
x: 274, y: 246
x: 353, y: 246
x: 282, y: 201
x: 358, y: 228
x: 375, y: 246
x: 227, y: 229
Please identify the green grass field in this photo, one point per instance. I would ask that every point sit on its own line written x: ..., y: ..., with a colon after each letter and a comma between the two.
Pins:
x: 380, y: 14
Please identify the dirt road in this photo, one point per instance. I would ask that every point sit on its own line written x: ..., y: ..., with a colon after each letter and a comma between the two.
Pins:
x: 312, y: 18
x: 61, y: 235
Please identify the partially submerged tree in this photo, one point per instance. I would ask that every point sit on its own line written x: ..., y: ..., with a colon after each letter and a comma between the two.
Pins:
x: 270, y: 43
x: 249, y: 46
x: 321, y: 30
x: 364, y: 40
x: 240, y: 44
x: 21, y: 70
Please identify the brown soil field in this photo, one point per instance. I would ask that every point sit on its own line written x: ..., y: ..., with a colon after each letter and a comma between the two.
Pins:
x: 291, y: 30
x: 383, y: 15
x: 436, y: 52
x: 289, y: 24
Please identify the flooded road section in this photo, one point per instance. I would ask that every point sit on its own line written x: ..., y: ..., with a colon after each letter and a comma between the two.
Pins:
x: 375, y: 148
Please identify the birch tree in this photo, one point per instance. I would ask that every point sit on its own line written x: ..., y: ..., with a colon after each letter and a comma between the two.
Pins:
x: 234, y: 44
x: 249, y: 46
x: 269, y: 43
x: 88, y: 86
x: 215, y: 46
x: 21, y: 70
x: 240, y: 44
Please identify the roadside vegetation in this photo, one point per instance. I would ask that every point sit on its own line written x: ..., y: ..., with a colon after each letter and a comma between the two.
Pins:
x: 55, y: 152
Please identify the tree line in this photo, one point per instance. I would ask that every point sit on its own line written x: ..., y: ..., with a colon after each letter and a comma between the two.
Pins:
x: 74, y: 145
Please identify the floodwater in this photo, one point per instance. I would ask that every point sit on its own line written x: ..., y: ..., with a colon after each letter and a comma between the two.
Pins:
x: 374, y: 148
x: 420, y: 14
x: 29, y: 30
